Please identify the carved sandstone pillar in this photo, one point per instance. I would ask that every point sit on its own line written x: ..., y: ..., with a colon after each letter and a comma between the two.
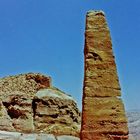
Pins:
x: 103, y: 114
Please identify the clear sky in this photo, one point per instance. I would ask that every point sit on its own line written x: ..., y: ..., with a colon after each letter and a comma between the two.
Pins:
x: 47, y: 36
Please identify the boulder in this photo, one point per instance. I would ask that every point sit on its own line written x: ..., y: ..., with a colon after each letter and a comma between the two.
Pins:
x: 56, y: 113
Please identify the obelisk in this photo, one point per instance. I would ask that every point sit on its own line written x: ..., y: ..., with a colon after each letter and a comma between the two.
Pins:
x: 103, y: 113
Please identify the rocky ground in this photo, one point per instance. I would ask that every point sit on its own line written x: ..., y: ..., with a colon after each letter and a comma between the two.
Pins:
x: 4, y: 135
x: 134, y: 124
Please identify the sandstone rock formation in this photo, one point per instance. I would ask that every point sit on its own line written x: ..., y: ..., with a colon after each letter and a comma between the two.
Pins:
x: 103, y: 115
x: 30, y: 104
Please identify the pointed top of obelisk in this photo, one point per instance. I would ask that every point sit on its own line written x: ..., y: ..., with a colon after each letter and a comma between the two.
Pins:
x: 95, y: 12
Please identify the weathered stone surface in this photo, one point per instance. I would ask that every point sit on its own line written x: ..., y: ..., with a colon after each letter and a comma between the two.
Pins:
x: 27, y: 83
x: 29, y: 103
x: 57, y: 111
x: 67, y: 138
x: 5, y: 135
x: 5, y: 121
x: 19, y: 108
x: 103, y: 116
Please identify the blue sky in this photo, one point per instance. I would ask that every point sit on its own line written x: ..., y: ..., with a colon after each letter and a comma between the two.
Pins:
x: 47, y: 36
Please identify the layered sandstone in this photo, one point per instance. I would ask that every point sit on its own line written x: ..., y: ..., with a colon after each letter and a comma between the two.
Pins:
x: 30, y: 104
x: 103, y: 115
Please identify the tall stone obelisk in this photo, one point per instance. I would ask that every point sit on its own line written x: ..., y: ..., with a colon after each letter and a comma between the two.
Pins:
x: 103, y: 114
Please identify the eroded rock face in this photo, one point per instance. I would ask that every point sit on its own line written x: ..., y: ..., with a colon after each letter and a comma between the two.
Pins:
x: 56, y: 113
x: 5, y: 121
x: 103, y: 116
x: 29, y: 103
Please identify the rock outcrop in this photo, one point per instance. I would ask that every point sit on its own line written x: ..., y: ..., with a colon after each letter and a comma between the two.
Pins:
x: 103, y: 114
x: 30, y: 104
